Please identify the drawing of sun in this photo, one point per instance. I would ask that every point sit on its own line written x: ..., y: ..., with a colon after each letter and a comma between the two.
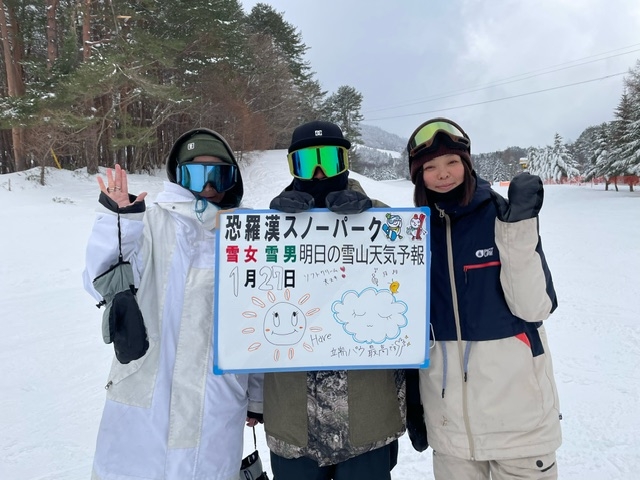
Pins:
x: 284, y: 323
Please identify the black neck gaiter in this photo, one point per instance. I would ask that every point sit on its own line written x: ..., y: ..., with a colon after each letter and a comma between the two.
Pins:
x: 320, y: 188
x: 454, y: 195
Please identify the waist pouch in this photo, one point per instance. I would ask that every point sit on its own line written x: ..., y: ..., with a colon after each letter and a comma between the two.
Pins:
x: 251, y: 466
x: 122, y: 322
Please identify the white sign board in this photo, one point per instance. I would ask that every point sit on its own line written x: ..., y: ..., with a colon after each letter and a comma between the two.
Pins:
x: 321, y: 291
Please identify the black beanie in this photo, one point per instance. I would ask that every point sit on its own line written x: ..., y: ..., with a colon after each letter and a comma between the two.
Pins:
x: 316, y: 134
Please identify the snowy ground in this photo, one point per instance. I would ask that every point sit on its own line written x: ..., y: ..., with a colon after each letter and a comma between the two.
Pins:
x: 54, y: 365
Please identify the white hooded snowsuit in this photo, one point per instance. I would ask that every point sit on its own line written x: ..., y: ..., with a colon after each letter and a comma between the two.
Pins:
x: 167, y: 416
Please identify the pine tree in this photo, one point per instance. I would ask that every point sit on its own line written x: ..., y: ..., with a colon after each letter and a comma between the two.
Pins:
x: 560, y: 163
x: 535, y: 161
x: 600, y: 161
x: 621, y: 132
x: 582, y: 149
x: 343, y: 108
x: 265, y: 20
x: 628, y: 132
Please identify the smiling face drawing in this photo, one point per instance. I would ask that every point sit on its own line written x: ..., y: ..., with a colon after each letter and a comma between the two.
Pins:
x: 284, y: 324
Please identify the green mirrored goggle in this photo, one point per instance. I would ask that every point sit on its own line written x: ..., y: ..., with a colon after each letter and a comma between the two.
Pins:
x: 425, y: 134
x: 332, y: 160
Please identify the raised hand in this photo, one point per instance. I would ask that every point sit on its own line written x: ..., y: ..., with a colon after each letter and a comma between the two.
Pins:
x: 117, y: 188
x: 526, y: 194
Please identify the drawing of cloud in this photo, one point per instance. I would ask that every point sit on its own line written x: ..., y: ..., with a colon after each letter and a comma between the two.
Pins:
x: 371, y: 316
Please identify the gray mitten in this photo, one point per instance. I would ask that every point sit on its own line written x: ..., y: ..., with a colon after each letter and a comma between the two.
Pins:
x: 348, y: 201
x: 526, y: 195
x: 122, y: 322
x: 293, y: 201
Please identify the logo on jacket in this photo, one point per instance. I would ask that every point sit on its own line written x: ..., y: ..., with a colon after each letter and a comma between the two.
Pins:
x: 484, y: 253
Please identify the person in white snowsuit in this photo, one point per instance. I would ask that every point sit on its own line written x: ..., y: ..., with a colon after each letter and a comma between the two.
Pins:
x: 167, y: 416
x: 489, y: 395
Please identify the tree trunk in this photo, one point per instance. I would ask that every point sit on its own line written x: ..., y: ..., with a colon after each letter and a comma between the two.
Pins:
x: 91, y: 149
x: 6, y: 146
x: 86, y: 30
x: 52, y: 33
x: 12, y: 49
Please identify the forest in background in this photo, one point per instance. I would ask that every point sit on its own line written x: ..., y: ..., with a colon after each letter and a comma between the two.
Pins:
x: 88, y: 83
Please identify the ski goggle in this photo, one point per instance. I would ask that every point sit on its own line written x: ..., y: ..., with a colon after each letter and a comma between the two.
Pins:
x: 194, y: 176
x: 423, y: 137
x: 331, y: 159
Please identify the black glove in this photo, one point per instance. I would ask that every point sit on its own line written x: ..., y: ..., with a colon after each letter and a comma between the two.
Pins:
x: 415, y: 413
x: 348, y: 201
x: 416, y: 428
x: 258, y: 416
x: 292, y: 202
x: 526, y: 194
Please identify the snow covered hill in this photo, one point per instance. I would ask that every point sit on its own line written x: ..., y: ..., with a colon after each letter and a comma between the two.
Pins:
x: 54, y: 364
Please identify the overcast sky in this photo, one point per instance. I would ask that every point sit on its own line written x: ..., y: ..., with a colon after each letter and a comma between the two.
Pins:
x: 416, y: 59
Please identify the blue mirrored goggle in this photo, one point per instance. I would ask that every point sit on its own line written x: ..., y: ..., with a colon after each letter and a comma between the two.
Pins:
x: 194, y: 176
x: 332, y: 160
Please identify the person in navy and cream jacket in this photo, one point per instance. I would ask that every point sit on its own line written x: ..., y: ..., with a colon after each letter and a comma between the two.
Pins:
x: 489, y: 395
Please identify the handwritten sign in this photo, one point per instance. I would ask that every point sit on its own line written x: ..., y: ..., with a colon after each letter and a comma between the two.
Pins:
x: 321, y: 291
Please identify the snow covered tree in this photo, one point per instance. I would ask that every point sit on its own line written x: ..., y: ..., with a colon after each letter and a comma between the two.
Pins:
x: 560, y: 162
x: 627, y: 132
x: 553, y: 163
x: 375, y: 164
x: 582, y: 149
x: 600, y: 160
x: 536, y: 161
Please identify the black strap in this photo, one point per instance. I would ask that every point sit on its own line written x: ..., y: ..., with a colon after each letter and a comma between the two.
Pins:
x: 255, y: 443
x: 120, y: 258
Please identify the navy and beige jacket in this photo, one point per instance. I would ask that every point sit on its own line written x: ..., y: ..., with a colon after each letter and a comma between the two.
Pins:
x: 489, y: 392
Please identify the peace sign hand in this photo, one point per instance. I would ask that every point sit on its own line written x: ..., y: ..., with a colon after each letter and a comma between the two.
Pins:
x: 117, y: 188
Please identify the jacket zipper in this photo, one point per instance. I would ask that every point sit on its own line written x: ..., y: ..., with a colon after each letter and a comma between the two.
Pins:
x: 466, y: 268
x: 456, y: 314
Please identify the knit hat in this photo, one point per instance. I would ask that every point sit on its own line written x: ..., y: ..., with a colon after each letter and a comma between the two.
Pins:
x: 416, y: 163
x: 317, y: 133
x: 202, y: 144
